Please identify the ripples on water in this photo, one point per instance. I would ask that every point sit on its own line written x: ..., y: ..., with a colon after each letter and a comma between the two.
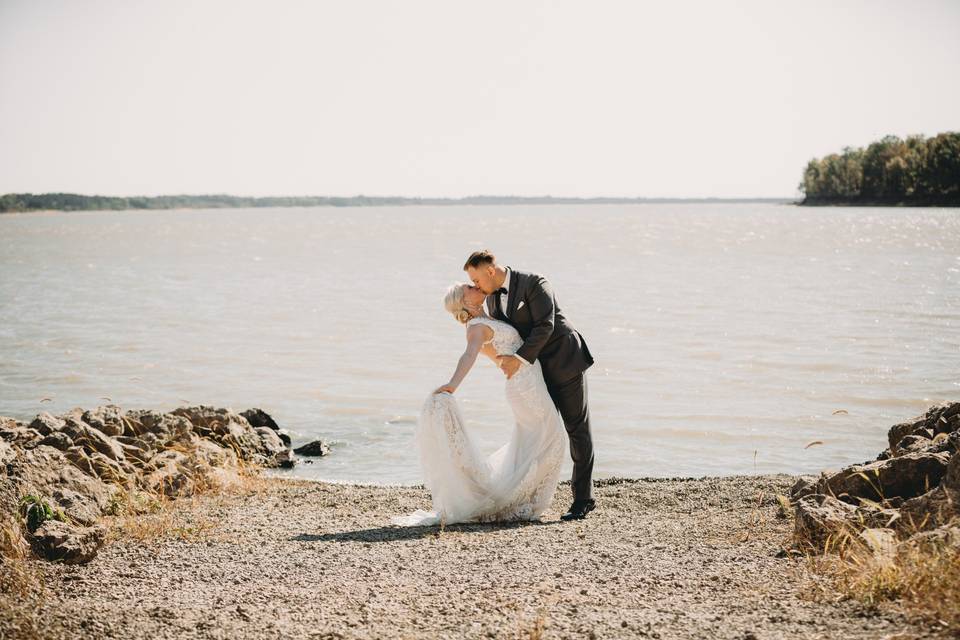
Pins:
x: 725, y: 335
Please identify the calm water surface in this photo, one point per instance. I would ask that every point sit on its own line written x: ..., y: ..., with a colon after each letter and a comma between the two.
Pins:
x: 726, y: 336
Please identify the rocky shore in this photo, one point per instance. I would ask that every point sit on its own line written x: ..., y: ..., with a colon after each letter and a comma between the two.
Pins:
x: 76, y: 468
x: 910, y: 493
x: 268, y: 557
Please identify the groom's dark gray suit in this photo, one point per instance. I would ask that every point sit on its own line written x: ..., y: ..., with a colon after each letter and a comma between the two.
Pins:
x: 564, y: 357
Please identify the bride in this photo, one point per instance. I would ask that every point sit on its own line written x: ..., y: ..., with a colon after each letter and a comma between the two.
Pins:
x: 518, y: 480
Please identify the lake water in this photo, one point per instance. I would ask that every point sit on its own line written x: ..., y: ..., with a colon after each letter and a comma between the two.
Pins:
x: 726, y: 336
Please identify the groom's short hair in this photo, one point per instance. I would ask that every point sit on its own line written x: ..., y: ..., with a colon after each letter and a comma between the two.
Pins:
x: 478, y: 258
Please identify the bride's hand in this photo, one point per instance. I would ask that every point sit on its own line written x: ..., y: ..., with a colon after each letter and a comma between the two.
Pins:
x: 445, y: 389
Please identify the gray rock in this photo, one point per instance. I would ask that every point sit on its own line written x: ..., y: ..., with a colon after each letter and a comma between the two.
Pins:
x: 904, y: 476
x: 929, y: 511
x: 820, y: 516
x: 170, y: 474
x: 45, y: 423
x: 804, y: 486
x: 932, y: 542
x: 882, y: 542
x: 876, y: 515
x: 17, y: 433
x: 315, y: 448
x: 259, y: 418
x: 913, y: 444
x: 284, y: 459
x: 7, y: 452
x: 57, y: 440
x: 940, y: 418
x: 56, y: 540
x: 241, y: 437
x: 77, y: 507
x: 80, y: 459
x: 108, y: 419
x: 951, y: 479
x: 45, y: 469
x: 270, y: 440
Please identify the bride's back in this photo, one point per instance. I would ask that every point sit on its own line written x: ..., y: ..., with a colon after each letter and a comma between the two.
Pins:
x: 505, y: 338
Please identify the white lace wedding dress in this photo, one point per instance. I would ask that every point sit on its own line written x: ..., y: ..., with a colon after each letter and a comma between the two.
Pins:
x: 518, y: 480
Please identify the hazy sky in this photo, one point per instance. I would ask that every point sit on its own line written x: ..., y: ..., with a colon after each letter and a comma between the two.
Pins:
x: 449, y: 98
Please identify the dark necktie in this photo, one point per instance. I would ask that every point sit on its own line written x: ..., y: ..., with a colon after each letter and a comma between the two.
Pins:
x: 499, y: 291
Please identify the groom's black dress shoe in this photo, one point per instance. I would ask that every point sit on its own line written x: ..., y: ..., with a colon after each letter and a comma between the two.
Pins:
x: 579, y: 510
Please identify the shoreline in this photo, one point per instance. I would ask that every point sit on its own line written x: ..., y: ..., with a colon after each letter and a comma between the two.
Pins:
x: 176, y: 525
x: 303, y: 559
x: 613, y: 480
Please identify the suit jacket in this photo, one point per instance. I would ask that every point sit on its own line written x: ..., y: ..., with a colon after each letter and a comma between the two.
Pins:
x: 546, y: 333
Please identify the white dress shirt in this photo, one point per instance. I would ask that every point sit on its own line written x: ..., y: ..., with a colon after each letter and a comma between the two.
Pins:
x: 503, y: 304
x: 503, y: 296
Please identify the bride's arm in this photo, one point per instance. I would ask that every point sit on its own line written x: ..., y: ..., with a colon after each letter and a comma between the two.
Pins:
x: 476, y: 336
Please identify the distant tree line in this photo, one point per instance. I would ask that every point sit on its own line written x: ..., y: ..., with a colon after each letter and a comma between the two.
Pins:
x: 915, y: 171
x: 75, y: 202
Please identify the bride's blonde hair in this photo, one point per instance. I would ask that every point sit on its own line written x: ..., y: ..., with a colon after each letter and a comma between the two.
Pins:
x: 453, y: 302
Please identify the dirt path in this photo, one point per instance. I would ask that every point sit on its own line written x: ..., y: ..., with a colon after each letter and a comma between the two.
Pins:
x: 658, y: 559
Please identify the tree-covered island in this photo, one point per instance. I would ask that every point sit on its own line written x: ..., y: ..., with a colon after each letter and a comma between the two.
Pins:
x: 917, y: 171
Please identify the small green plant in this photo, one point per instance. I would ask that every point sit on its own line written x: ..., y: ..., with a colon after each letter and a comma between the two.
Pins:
x: 35, y: 510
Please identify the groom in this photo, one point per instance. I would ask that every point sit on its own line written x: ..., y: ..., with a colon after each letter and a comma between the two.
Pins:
x: 526, y: 301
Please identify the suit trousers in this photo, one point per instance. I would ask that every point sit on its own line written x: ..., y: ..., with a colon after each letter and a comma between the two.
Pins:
x: 570, y: 397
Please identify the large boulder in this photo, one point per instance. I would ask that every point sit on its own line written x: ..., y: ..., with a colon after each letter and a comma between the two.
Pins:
x: 17, y: 433
x: 163, y: 427
x: 43, y: 469
x: 904, y: 476
x: 212, y: 454
x: 940, y: 418
x: 78, y: 508
x: 45, y: 423
x: 95, y: 441
x: 56, y: 540
x: 933, y: 509
x: 882, y: 542
x: 936, y: 507
x: 819, y: 516
x: 276, y: 451
x: 109, y: 419
x: 243, y: 439
x: 168, y: 474
x: 207, y: 420
x: 57, y: 440
x: 260, y: 418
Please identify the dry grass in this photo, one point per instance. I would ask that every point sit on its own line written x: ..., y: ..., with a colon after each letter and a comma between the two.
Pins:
x: 536, y: 631
x: 138, y: 514
x: 922, y: 579
x: 22, y: 590
x: 149, y: 517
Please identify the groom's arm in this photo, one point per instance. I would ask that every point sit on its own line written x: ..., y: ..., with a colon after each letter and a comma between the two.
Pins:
x: 540, y: 304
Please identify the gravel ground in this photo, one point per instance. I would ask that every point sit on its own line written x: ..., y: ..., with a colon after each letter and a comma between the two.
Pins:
x: 302, y: 559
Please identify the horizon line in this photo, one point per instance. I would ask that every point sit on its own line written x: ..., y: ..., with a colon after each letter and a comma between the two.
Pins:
x: 391, y: 197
